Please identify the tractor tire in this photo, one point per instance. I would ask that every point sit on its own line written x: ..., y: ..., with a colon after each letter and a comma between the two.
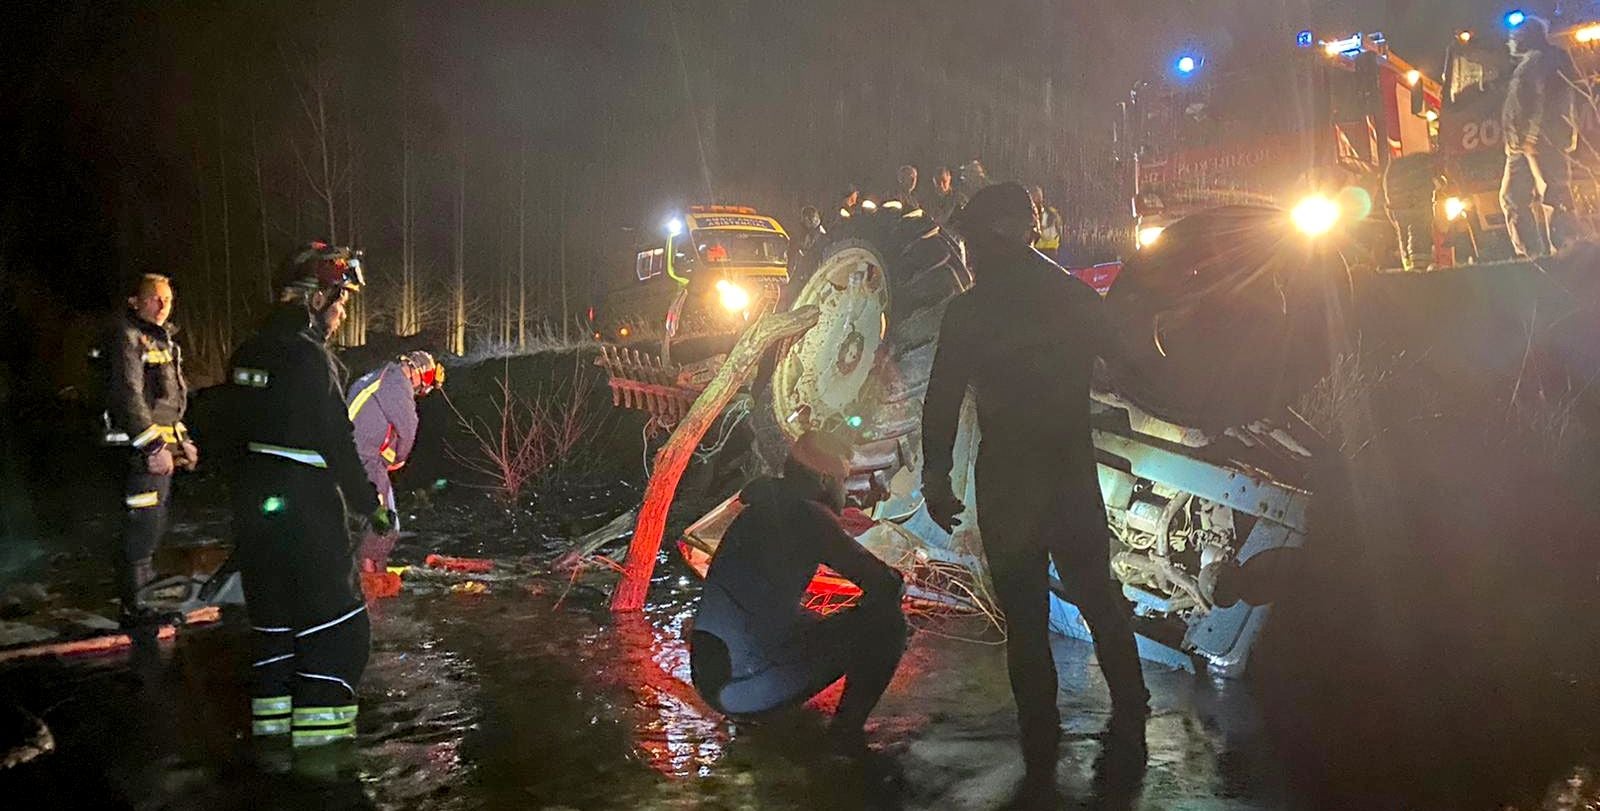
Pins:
x: 882, y: 282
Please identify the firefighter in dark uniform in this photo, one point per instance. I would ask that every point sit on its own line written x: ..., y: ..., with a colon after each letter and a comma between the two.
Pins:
x: 145, y: 400
x: 295, y: 470
x: 1025, y: 338
x: 1537, y: 119
x: 383, y: 409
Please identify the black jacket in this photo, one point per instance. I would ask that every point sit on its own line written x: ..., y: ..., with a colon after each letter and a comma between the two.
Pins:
x: 286, y: 390
x: 1538, y: 111
x: 1024, y: 338
x: 752, y: 596
x: 145, y: 391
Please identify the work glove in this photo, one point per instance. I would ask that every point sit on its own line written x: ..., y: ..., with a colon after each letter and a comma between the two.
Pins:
x: 383, y: 520
x: 943, y: 506
x: 188, y: 456
x: 160, y: 462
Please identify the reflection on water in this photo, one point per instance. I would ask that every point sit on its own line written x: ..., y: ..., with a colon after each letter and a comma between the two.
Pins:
x: 533, y: 696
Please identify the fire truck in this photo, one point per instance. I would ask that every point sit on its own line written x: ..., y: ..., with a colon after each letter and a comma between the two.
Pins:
x: 1309, y: 128
x: 1314, y: 126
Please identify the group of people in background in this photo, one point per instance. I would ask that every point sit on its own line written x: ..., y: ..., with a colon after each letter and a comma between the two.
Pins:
x: 939, y: 204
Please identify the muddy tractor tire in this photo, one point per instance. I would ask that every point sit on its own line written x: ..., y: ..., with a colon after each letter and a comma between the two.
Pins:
x: 881, y: 284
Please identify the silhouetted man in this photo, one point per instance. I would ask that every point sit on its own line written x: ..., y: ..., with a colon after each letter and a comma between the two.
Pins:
x: 906, y: 187
x: 1024, y: 339
x: 755, y: 647
x: 1537, y: 119
x: 946, y: 201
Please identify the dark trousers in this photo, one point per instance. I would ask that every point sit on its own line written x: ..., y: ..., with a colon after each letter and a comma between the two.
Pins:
x: 309, y: 627
x: 863, y: 644
x: 145, y: 501
x: 1535, y: 178
x: 1031, y: 511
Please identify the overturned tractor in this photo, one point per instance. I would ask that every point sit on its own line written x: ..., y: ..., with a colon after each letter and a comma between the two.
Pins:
x: 1202, y: 465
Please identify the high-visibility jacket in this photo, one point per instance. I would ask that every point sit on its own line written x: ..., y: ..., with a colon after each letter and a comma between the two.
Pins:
x: 383, y: 408
x: 146, y: 393
x: 1049, y: 229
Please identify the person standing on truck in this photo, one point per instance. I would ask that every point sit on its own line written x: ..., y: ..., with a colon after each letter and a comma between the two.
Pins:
x: 296, y: 473
x: 946, y: 201
x: 1024, y: 338
x: 383, y: 408
x: 1049, y: 241
x: 146, y: 395
x: 906, y: 188
x: 805, y: 246
x: 755, y: 648
x: 1537, y: 119
x: 848, y: 199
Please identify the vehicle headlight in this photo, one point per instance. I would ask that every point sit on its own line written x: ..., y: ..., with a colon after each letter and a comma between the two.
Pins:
x: 1315, y: 215
x: 1149, y: 234
x: 733, y: 297
x: 1454, y: 208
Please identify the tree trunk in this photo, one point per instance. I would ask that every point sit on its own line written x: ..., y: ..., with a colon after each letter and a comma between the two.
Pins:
x: 227, y: 247
x: 458, y: 300
x: 261, y: 212
x: 522, y: 246
x: 673, y: 458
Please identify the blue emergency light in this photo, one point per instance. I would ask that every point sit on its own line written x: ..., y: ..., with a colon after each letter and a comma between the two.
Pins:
x: 1187, y: 64
x: 1515, y: 18
x: 1305, y: 39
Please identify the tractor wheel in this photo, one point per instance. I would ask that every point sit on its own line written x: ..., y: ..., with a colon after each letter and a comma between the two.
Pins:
x: 881, y: 283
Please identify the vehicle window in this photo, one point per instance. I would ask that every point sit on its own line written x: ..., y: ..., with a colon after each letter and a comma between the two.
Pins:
x: 650, y: 263
x: 742, y: 248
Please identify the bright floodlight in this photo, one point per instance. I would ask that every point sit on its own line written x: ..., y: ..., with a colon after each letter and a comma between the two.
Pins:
x: 1464, y: 36
x: 1515, y: 18
x: 1587, y: 34
x: 1149, y: 235
x: 1413, y: 76
x: 733, y: 297
x: 1315, y: 215
x: 1187, y: 64
x: 1454, y: 207
x: 673, y: 227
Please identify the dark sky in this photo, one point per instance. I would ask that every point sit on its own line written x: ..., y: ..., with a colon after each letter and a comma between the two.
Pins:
x: 129, y: 125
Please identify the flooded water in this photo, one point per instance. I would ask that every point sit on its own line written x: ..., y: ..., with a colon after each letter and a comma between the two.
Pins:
x: 531, y: 695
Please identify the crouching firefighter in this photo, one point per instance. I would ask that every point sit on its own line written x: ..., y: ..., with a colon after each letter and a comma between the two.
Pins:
x: 295, y: 470
x: 755, y: 648
x: 145, y: 395
x: 383, y: 409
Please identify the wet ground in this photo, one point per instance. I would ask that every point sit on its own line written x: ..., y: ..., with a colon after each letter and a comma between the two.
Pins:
x: 531, y: 695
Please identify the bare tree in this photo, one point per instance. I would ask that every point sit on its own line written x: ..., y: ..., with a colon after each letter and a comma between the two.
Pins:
x: 458, y: 286
x: 261, y: 210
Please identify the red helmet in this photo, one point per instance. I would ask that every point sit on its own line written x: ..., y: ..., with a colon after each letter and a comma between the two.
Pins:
x: 425, y: 373
x: 319, y: 266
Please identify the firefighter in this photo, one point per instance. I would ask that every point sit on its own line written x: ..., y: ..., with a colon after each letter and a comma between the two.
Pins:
x: 1049, y: 241
x: 383, y: 409
x: 805, y: 247
x: 848, y: 200
x: 296, y: 472
x: 906, y: 188
x: 1025, y: 339
x: 1408, y: 189
x: 755, y: 648
x: 946, y: 200
x: 145, y: 397
x: 1537, y: 119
